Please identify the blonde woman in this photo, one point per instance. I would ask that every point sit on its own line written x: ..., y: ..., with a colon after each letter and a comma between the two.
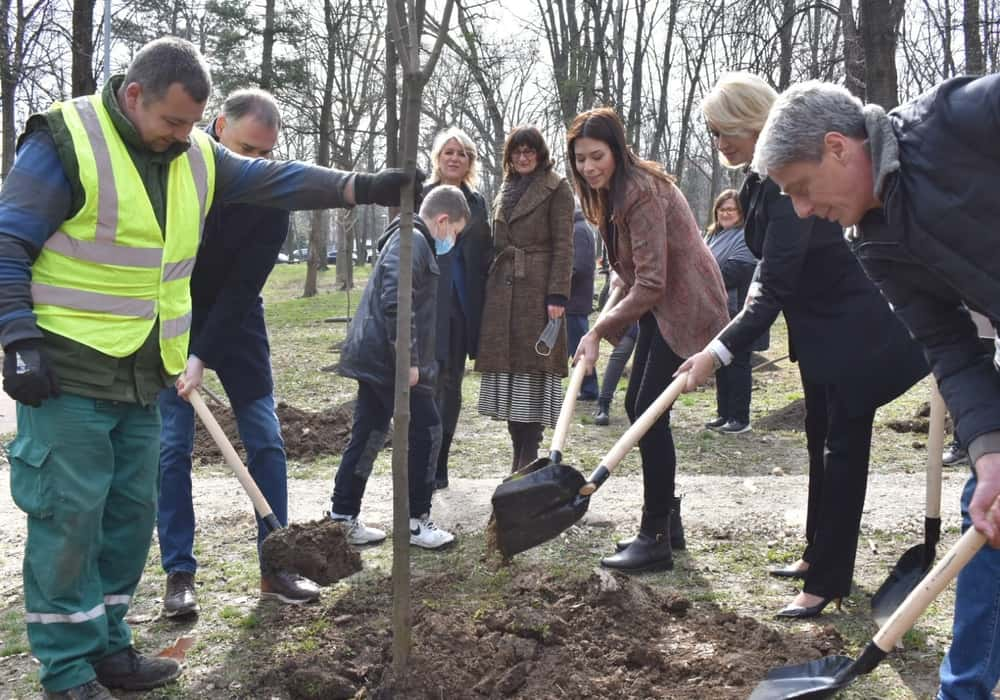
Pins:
x: 461, y: 286
x: 853, y: 354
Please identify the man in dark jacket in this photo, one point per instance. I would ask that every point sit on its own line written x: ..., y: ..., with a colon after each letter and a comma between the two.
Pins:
x: 581, y: 295
x: 228, y: 334
x: 919, y: 186
x: 369, y: 356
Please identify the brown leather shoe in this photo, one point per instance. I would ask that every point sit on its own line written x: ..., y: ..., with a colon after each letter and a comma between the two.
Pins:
x: 288, y: 588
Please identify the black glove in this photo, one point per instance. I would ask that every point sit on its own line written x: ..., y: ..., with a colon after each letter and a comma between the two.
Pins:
x: 384, y: 187
x: 27, y: 374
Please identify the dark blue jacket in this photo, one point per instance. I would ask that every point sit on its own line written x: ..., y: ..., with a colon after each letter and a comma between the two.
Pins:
x: 581, y: 286
x: 238, y: 250
x: 935, y: 244
x: 369, y: 352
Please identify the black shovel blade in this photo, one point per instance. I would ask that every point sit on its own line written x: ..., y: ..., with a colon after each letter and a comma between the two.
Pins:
x: 820, y: 678
x: 533, y: 507
x: 904, y: 577
x: 539, y: 463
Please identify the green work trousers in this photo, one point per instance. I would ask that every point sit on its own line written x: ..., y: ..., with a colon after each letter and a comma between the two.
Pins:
x: 84, y: 470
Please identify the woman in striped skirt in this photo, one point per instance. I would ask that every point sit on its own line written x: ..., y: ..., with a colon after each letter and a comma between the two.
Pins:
x: 528, y: 285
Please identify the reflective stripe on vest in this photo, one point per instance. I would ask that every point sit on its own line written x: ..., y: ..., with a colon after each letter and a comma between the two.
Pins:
x: 109, y: 273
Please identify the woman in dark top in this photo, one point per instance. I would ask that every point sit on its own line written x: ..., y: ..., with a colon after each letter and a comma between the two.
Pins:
x: 674, y: 291
x: 853, y: 354
x: 725, y: 239
x: 461, y: 285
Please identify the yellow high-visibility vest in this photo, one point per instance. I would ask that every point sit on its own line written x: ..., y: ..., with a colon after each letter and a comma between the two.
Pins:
x: 106, y: 275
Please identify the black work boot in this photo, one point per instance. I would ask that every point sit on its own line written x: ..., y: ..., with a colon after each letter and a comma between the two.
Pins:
x: 129, y: 670
x: 180, y: 598
x: 91, y: 690
x: 677, y: 540
x: 650, y: 551
x: 602, y: 415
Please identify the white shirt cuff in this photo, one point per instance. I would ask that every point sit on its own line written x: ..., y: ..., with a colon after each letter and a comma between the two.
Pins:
x: 721, y: 351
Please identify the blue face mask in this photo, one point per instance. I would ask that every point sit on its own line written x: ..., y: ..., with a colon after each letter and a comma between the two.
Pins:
x: 443, y: 247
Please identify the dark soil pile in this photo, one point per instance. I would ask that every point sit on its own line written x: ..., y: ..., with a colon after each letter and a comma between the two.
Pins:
x: 317, y: 550
x: 307, y: 434
x: 790, y: 417
x: 544, y: 637
x: 920, y: 423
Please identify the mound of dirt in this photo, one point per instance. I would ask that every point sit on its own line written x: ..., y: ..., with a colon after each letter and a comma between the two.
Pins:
x: 545, y: 637
x: 307, y: 434
x: 317, y: 550
x: 920, y: 423
x: 790, y: 417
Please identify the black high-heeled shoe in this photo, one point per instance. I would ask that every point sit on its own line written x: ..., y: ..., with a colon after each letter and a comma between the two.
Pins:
x: 789, y: 571
x: 799, y: 612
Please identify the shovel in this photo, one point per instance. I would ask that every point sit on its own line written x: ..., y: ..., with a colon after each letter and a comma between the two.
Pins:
x: 533, y: 508
x: 823, y: 678
x: 235, y: 463
x: 917, y: 560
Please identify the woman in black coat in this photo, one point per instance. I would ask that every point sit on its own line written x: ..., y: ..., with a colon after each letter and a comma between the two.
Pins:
x: 462, y: 284
x: 853, y: 354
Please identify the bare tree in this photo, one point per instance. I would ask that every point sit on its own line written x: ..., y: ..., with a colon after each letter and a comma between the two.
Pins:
x: 974, y: 62
x: 83, y: 80
x: 879, y: 32
x: 406, y: 21
x: 21, y: 27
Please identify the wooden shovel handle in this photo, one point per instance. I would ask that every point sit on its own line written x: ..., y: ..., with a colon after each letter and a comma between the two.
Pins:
x: 935, y: 446
x: 232, y: 459
x: 635, y: 432
x: 928, y: 589
x: 575, y: 382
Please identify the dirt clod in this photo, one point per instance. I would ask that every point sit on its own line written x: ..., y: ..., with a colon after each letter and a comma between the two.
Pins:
x: 317, y: 550
x: 790, y: 417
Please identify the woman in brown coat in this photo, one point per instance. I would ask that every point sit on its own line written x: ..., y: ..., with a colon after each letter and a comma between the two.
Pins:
x: 675, y: 292
x: 527, y: 286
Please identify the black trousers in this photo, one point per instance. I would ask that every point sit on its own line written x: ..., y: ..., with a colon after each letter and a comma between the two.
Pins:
x: 733, y: 384
x: 652, y: 371
x: 616, y: 365
x: 448, y: 392
x: 839, y: 444
x: 372, y: 413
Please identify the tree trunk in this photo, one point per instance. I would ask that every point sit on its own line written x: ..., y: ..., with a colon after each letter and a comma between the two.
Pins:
x: 83, y: 81
x: 346, y: 226
x: 879, y: 33
x: 854, y: 80
x: 8, y: 88
x: 267, y: 50
x: 785, y: 41
x: 974, y: 63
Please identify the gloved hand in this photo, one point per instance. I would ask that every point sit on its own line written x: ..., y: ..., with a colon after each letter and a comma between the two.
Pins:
x: 27, y: 374
x: 384, y: 187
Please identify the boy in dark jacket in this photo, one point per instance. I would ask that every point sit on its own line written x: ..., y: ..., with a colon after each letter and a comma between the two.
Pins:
x: 369, y: 355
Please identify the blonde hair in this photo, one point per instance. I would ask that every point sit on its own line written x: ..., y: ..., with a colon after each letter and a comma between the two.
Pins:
x: 471, y: 178
x: 738, y: 104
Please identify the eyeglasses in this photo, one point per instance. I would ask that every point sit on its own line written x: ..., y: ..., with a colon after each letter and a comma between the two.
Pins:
x: 526, y: 153
x: 727, y: 210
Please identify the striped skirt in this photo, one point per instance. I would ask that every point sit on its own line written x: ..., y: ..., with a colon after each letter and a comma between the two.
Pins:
x: 534, y: 397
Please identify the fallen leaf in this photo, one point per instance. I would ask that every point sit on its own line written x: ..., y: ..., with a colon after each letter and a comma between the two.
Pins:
x: 179, y: 649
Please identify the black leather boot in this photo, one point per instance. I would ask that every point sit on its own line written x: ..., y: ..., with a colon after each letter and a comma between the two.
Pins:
x: 602, y: 416
x: 677, y: 540
x: 649, y: 551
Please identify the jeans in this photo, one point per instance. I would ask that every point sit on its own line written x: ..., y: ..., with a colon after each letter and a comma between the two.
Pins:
x: 971, y: 668
x: 261, y: 436
x: 577, y: 326
x: 652, y: 371
x: 615, y: 367
x: 372, y: 412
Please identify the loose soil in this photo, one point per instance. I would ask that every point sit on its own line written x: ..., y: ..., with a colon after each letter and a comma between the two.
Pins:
x: 920, y: 423
x: 790, y: 417
x: 544, y: 637
x: 317, y: 550
x: 307, y: 434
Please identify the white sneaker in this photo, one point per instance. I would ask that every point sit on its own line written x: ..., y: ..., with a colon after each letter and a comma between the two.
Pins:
x: 357, y: 532
x: 424, y: 533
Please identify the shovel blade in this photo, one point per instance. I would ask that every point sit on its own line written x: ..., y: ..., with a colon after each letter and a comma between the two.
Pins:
x: 532, y: 507
x: 820, y: 678
x: 904, y: 577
